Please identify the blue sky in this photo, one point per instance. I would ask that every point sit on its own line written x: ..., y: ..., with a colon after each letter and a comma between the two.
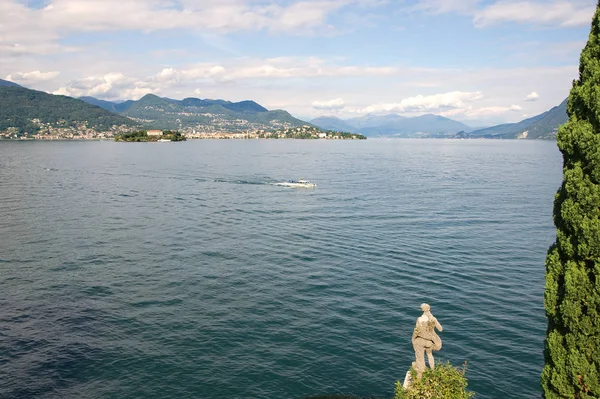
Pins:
x: 477, y: 61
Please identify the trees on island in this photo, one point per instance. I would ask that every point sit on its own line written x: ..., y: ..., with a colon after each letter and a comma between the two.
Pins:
x: 572, y: 296
x: 142, y: 136
x: 308, y: 133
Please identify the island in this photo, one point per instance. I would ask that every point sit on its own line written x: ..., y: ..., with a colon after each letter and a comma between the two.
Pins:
x: 309, y: 132
x: 144, y: 136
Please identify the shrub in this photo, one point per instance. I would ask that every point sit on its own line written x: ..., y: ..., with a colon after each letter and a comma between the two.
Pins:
x: 445, y: 382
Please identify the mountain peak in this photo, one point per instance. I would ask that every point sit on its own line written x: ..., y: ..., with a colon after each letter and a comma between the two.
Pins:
x: 150, y: 96
x: 246, y: 106
x: 152, y: 99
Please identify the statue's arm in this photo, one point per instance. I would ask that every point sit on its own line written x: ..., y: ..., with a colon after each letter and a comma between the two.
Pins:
x: 438, y: 325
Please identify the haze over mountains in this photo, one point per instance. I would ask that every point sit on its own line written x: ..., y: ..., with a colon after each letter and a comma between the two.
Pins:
x: 543, y: 126
x: 395, y: 125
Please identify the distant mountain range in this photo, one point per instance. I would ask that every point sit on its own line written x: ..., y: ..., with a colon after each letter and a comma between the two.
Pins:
x: 201, y: 115
x: 24, y: 110
x: 394, y: 125
x: 543, y: 126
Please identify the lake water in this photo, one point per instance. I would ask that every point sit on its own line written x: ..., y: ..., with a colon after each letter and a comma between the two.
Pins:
x: 178, y: 270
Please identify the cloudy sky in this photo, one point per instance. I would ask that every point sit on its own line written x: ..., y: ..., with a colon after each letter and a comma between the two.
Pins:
x: 478, y: 61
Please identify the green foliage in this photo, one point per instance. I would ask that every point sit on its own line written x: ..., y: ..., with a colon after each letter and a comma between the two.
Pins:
x: 308, y: 132
x: 20, y: 107
x: 173, y: 135
x: 137, y: 136
x: 445, y: 382
x: 572, y: 296
x: 345, y: 135
x: 142, y: 136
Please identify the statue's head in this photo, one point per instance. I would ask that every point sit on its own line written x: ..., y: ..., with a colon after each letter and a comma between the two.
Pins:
x: 425, y: 307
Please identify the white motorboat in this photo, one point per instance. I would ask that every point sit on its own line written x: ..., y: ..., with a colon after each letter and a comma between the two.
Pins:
x: 297, y: 184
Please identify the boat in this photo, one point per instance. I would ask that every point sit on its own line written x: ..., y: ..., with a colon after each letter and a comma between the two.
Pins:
x: 297, y: 184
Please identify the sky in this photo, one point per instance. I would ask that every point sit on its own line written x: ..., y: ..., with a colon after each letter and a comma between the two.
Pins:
x: 481, y: 62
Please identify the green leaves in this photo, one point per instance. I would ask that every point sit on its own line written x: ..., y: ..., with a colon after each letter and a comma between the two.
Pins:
x: 445, y: 382
x: 572, y: 297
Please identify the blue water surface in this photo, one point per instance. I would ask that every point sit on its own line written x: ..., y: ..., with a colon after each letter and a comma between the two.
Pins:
x: 179, y: 270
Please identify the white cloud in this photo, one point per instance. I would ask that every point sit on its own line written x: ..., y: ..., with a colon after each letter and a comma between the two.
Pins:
x: 21, y: 37
x: 32, y: 77
x: 273, y: 68
x: 221, y: 16
x: 62, y: 91
x: 445, y: 6
x: 460, y: 105
x: 533, y: 96
x: 64, y: 17
x: 296, y: 83
x: 112, y: 86
x: 243, y: 71
x: 562, y: 13
x: 331, y: 105
x: 482, y: 112
x: 209, y: 19
x: 558, y: 12
x: 421, y: 104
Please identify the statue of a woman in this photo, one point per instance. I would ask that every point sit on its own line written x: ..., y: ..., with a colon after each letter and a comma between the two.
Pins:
x: 425, y: 339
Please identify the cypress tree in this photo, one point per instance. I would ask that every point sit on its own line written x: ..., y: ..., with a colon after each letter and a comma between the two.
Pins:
x: 572, y: 296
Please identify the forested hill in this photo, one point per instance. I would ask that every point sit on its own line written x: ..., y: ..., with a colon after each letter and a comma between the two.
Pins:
x: 543, y: 126
x: 25, y: 110
x: 203, y: 115
x: 6, y: 83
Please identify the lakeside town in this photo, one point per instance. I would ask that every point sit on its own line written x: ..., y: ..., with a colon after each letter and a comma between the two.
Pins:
x: 82, y: 132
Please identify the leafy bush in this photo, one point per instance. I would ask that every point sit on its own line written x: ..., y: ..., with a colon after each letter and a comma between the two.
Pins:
x: 445, y: 382
x: 572, y: 297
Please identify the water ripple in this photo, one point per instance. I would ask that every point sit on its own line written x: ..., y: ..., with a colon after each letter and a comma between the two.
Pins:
x: 182, y: 271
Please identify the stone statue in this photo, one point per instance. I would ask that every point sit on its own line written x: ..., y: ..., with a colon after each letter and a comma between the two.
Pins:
x: 424, y: 340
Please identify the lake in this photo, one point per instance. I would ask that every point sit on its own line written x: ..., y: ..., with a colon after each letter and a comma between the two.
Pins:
x: 179, y: 270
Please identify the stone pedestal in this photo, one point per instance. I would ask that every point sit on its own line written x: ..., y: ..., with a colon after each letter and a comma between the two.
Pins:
x: 407, y: 380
